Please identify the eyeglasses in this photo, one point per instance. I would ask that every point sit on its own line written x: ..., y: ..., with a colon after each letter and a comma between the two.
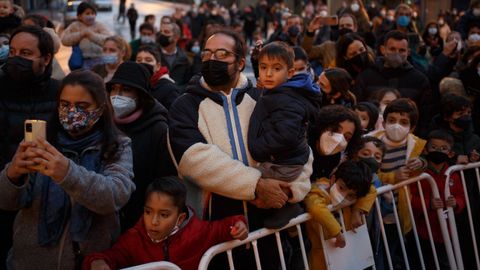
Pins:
x: 219, y: 54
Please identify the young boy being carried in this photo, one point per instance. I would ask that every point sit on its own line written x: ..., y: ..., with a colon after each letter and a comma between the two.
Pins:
x: 277, y: 135
x: 168, y: 231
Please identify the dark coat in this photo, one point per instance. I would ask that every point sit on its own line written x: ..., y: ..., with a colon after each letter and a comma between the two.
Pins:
x: 7, y: 24
x: 166, y: 92
x: 180, y: 70
x: 150, y: 158
x: 279, y: 122
x: 464, y: 142
x: 467, y: 20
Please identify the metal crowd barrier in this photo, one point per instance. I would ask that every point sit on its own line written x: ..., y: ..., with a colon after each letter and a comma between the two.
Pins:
x: 155, y: 266
x: 451, y: 214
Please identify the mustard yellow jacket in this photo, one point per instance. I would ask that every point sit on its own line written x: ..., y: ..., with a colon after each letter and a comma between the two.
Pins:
x: 317, y: 202
x: 415, y: 147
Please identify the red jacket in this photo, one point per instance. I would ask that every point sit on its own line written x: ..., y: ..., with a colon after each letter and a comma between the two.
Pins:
x: 185, y: 248
x: 456, y: 189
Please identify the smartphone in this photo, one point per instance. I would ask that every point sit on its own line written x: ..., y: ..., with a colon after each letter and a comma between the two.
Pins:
x: 329, y: 20
x: 35, y: 129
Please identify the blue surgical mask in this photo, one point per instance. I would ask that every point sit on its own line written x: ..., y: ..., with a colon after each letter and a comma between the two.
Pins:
x: 195, y: 49
x: 4, y: 51
x: 110, y: 58
x: 403, y: 21
x: 147, y: 39
x: 89, y: 19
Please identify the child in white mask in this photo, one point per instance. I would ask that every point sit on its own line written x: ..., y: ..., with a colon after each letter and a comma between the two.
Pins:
x: 350, y: 182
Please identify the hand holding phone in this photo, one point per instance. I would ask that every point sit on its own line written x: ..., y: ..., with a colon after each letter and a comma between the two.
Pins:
x: 320, y: 21
x: 34, y: 130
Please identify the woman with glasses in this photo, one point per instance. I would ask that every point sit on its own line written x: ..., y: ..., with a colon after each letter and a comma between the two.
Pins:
x: 70, y: 186
x: 144, y: 120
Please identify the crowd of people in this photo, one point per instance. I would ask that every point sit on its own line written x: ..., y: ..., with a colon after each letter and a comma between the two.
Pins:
x: 161, y: 147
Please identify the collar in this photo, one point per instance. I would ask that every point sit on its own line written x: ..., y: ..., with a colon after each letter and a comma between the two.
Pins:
x: 169, y: 54
x: 430, y: 167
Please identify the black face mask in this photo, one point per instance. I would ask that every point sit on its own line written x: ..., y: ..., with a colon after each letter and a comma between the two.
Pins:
x: 215, y: 72
x: 360, y: 60
x: 293, y: 31
x: 163, y: 40
x: 19, y: 69
x: 463, y: 122
x: 372, y: 164
x: 437, y: 157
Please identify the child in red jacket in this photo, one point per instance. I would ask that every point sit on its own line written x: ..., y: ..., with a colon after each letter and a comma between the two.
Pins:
x: 168, y: 231
x: 438, y: 152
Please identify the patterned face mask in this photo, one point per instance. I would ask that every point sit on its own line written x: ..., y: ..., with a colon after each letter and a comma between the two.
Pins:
x: 76, y: 120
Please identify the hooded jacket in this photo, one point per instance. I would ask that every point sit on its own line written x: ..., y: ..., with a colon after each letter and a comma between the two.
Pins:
x: 184, y: 248
x: 279, y: 122
x: 208, y: 135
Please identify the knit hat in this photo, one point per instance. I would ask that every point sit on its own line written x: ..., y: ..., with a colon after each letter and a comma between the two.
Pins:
x: 134, y: 76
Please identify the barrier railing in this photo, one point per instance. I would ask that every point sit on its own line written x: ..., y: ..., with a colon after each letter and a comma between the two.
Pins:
x: 451, y: 214
x: 155, y: 266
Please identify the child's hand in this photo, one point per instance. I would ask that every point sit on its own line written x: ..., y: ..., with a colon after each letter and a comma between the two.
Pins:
x: 356, y: 219
x: 462, y: 159
x: 388, y: 197
x: 99, y: 265
x: 414, y: 164
x: 451, y: 202
x: 340, y: 241
x: 402, y: 174
x: 437, y: 203
x: 474, y: 156
x: 239, y: 230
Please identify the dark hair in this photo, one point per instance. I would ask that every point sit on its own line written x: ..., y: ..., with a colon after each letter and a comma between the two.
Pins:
x: 341, y: 47
x: 330, y: 117
x: 440, y: 134
x: 350, y: 15
x: 278, y: 50
x: 372, y: 111
x: 239, y: 48
x: 300, y: 54
x: 45, y: 41
x: 146, y: 26
x: 171, y: 186
x: 378, y: 95
x: 95, y: 86
x: 403, y: 105
x: 356, y: 175
x: 451, y: 103
x: 361, y: 144
x: 396, y: 35
x: 39, y: 20
x: 341, y: 81
x: 84, y: 6
x: 148, y: 17
x: 151, y: 49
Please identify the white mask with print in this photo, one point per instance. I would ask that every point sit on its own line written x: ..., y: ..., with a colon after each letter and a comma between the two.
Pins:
x: 396, y: 132
x: 332, y: 143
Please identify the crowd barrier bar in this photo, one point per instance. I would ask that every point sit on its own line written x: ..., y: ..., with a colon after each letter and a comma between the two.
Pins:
x: 163, y: 265
x: 451, y: 214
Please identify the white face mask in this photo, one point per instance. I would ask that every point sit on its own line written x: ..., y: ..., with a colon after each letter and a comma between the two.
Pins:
x: 336, y: 197
x: 474, y: 37
x: 147, y: 39
x: 355, y: 7
x: 396, y: 132
x: 174, y: 231
x: 332, y: 143
x: 432, y: 31
x: 123, y: 106
x: 323, y: 13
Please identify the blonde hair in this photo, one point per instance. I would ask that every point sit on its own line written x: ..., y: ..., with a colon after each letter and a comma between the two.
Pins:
x: 450, y: 85
x: 121, y: 44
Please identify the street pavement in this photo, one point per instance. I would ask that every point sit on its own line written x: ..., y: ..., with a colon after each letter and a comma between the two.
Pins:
x: 144, y: 7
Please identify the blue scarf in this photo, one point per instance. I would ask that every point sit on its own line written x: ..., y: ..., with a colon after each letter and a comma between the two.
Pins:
x: 55, y: 206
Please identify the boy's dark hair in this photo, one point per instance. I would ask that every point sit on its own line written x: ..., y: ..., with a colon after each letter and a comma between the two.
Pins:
x: 146, y: 26
x: 171, y: 186
x: 300, y: 54
x: 151, y: 49
x: 372, y: 111
x: 278, y: 50
x: 396, y: 35
x: 148, y: 17
x: 84, y: 6
x: 451, y: 103
x: 441, y: 135
x: 403, y: 105
x: 363, y: 141
x: 356, y: 175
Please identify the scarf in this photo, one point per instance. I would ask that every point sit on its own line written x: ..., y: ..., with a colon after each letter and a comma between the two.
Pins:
x: 56, y: 207
x: 158, y: 75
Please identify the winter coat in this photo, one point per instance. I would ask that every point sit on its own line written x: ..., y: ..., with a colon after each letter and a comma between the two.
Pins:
x: 464, y: 142
x: 456, y: 190
x: 150, y: 158
x: 316, y: 203
x: 184, y: 248
x: 20, y: 101
x: 466, y: 21
x: 280, y: 120
x: 180, y: 70
x: 415, y: 147
x: 208, y: 135
x: 103, y: 193
x: 165, y: 90
x: 91, y: 47
x: 9, y: 23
